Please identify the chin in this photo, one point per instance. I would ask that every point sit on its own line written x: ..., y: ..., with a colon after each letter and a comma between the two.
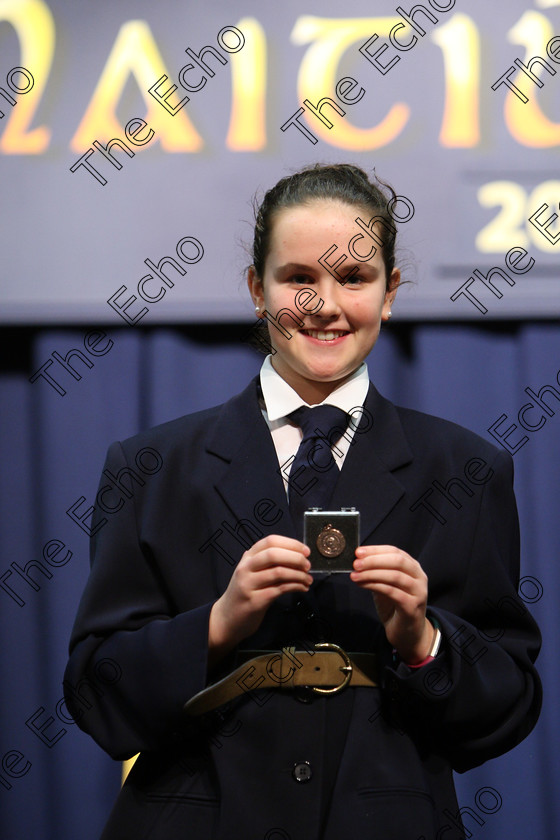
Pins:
x: 328, y: 373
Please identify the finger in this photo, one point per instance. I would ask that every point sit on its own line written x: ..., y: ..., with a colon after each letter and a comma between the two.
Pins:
x: 389, y: 558
x: 375, y: 549
x: 382, y: 553
x: 268, y: 557
x: 394, y: 577
x: 401, y: 598
x: 279, y: 576
x: 280, y: 541
x: 396, y: 594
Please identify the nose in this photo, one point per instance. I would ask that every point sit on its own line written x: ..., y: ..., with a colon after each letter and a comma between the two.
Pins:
x: 329, y: 290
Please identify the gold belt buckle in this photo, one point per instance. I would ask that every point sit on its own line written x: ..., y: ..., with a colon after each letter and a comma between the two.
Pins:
x: 346, y: 668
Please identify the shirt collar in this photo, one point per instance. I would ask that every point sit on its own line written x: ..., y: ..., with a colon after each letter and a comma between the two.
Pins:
x: 281, y: 399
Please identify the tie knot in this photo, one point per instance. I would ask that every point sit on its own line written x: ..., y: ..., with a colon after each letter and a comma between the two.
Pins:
x: 320, y: 420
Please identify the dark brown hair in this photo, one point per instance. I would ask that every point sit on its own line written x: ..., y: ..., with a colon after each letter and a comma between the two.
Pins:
x: 336, y: 182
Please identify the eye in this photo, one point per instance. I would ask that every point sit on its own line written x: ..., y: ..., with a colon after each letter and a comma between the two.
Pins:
x: 301, y: 278
x: 355, y: 280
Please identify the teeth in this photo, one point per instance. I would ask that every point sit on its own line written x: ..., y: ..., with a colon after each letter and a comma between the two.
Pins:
x: 324, y: 336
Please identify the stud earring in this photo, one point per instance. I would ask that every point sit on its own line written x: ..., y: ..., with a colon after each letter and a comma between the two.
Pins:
x: 257, y: 309
x: 389, y: 314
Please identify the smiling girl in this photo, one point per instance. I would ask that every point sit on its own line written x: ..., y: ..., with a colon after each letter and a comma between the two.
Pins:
x: 317, y: 706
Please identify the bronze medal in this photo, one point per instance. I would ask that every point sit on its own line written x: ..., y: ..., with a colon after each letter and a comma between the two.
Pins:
x: 331, y: 542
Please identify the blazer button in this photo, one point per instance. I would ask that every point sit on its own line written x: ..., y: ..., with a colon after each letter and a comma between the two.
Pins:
x: 302, y: 771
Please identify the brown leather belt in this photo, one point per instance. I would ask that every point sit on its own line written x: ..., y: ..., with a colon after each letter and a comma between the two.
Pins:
x: 325, y: 670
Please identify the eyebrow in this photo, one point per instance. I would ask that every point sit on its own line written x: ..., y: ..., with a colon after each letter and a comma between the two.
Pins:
x: 349, y: 263
x: 287, y: 268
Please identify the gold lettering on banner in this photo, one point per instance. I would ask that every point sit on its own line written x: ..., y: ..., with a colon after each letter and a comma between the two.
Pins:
x: 247, y: 125
x: 134, y: 53
x: 526, y: 122
x: 318, y: 74
x: 505, y: 231
x: 510, y: 227
x: 459, y: 42
x: 34, y: 25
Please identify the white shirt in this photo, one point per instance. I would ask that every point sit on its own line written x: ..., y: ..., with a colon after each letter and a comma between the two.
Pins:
x: 281, y: 399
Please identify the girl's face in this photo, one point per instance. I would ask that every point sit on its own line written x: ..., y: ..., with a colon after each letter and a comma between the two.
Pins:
x: 337, y: 337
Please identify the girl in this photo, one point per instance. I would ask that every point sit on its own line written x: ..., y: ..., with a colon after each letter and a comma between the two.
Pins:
x: 268, y: 702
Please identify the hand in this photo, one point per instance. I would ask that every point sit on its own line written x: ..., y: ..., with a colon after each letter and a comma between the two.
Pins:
x: 271, y: 566
x: 400, y: 592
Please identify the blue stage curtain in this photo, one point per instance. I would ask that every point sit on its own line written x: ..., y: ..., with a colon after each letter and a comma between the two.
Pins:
x: 52, y: 451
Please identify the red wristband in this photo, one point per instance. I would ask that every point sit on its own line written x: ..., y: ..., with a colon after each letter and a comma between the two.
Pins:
x: 436, y: 641
x: 419, y: 664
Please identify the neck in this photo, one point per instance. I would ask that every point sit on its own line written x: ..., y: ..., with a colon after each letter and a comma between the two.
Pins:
x: 312, y: 391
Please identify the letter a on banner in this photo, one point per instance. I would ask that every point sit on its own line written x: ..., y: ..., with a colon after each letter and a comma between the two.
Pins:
x: 134, y: 52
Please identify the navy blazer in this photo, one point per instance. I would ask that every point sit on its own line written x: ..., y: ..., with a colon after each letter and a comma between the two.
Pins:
x: 379, y: 759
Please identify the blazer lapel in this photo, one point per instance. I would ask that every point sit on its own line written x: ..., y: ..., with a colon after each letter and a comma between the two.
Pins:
x: 366, y: 481
x: 251, y: 473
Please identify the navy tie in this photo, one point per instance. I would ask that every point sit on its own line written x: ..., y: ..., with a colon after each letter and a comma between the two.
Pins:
x: 313, y: 474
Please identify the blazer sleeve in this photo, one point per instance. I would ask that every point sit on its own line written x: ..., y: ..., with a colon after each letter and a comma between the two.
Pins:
x: 133, y: 662
x: 481, y: 695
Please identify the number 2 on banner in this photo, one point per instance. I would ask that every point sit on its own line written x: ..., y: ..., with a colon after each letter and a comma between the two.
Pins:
x: 510, y: 227
x: 35, y: 28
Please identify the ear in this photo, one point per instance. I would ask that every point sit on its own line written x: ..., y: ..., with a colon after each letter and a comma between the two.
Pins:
x: 255, y: 285
x: 391, y: 293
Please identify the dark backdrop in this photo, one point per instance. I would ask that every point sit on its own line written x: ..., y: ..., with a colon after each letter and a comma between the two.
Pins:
x: 52, y: 449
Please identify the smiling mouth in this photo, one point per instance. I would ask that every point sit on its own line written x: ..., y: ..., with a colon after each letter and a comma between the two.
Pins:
x: 325, y: 335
